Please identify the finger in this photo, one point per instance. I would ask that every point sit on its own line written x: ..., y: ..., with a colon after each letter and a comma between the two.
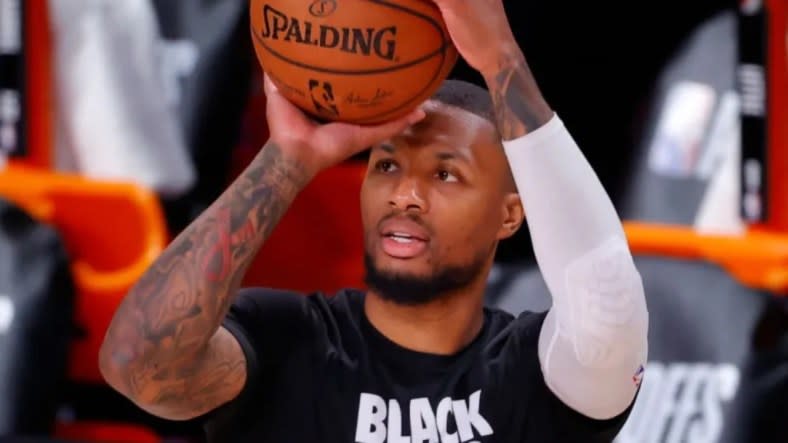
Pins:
x: 394, y: 127
x: 371, y: 135
x: 416, y: 116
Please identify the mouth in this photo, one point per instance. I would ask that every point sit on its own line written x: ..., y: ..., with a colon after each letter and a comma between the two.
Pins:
x: 401, y: 246
x: 404, y: 239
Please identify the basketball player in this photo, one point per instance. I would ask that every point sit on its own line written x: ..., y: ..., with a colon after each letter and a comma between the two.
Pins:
x: 416, y: 357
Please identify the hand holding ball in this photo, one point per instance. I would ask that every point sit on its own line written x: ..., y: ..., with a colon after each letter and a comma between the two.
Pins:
x: 355, y: 61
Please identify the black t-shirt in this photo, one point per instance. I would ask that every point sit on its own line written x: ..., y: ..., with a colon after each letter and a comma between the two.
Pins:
x: 320, y: 372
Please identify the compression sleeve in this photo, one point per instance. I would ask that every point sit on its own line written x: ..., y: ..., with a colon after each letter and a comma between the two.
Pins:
x: 594, y: 339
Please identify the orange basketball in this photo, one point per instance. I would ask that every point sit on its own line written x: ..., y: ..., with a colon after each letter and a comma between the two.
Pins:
x: 359, y: 61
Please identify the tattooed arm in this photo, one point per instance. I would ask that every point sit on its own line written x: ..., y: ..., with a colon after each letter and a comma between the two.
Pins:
x: 519, y: 106
x: 480, y: 31
x: 165, y: 349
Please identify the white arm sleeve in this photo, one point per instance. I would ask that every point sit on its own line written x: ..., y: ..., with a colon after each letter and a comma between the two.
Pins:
x: 594, y: 340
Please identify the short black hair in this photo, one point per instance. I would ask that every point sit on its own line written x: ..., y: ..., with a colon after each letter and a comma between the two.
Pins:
x: 468, y: 97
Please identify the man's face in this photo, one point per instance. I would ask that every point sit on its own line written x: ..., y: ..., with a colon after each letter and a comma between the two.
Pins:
x: 435, y: 202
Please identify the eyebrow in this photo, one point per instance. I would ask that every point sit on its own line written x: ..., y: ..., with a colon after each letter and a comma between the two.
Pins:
x: 449, y: 156
x: 442, y: 155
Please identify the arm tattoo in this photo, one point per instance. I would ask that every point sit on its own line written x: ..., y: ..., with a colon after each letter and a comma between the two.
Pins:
x: 519, y: 106
x: 161, y: 331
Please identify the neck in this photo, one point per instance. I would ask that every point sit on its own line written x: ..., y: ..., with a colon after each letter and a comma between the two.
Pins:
x: 442, y: 327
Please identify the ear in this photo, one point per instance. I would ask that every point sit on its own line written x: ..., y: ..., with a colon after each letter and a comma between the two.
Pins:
x: 513, y: 215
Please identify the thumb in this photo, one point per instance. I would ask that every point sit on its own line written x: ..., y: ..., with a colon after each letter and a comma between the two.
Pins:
x: 268, y: 85
x: 370, y: 135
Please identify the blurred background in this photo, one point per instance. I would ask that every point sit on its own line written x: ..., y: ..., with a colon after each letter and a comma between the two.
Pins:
x: 121, y: 120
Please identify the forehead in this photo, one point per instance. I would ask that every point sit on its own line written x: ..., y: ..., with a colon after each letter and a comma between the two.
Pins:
x: 449, y: 127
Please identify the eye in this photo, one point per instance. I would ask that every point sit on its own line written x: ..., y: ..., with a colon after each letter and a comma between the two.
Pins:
x: 385, y: 165
x: 446, y: 176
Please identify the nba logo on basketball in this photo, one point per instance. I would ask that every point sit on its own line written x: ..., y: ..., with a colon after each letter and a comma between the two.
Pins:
x: 323, y: 97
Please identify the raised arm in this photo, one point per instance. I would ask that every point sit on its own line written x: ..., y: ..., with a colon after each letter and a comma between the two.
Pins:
x: 165, y: 349
x: 594, y: 340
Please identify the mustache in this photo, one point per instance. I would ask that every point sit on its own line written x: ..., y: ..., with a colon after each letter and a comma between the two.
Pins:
x: 415, y: 218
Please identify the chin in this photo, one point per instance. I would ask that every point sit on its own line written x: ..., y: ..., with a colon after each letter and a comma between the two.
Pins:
x: 414, y: 283
x: 404, y: 273
x: 414, y: 265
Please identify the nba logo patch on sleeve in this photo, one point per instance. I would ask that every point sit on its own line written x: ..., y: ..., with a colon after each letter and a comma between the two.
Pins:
x: 638, y: 377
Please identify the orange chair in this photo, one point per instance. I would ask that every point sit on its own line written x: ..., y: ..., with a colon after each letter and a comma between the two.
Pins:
x: 113, y: 232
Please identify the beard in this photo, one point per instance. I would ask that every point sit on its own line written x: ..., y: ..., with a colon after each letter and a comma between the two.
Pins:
x: 408, y: 289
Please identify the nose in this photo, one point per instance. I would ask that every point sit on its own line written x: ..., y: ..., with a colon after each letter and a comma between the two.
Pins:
x: 409, y: 196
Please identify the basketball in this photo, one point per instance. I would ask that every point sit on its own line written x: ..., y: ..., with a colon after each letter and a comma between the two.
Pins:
x: 356, y: 61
